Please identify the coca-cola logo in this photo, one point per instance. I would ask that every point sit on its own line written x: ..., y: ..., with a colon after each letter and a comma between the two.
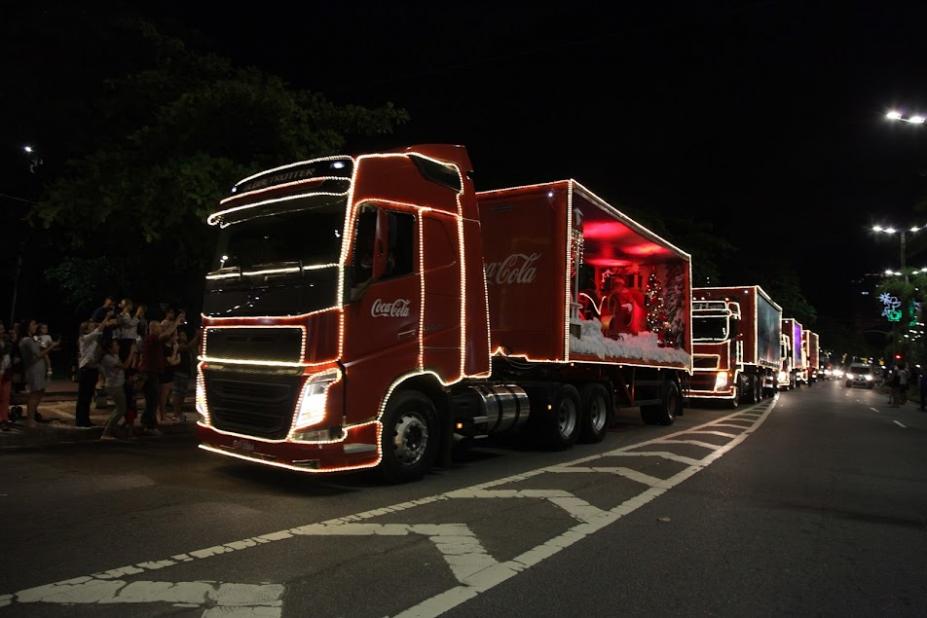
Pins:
x: 398, y: 308
x: 516, y: 268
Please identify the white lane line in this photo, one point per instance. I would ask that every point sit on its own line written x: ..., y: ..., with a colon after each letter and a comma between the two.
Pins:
x: 491, y: 574
x: 265, y: 600
x: 726, y: 425
x: 723, y: 434
x: 460, y: 547
x: 449, y: 599
x: 900, y: 424
x: 664, y: 454
x: 874, y: 410
x: 708, y: 445
x: 628, y: 473
x: 576, y: 507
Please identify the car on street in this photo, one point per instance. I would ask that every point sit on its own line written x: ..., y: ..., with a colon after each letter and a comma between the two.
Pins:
x: 860, y: 375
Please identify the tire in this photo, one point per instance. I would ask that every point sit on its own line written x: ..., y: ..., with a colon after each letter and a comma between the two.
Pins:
x: 734, y: 402
x: 410, y: 437
x: 563, y: 423
x: 665, y: 412
x: 596, y: 413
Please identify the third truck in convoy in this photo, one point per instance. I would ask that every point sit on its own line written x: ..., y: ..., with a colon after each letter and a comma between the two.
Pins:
x: 736, y: 339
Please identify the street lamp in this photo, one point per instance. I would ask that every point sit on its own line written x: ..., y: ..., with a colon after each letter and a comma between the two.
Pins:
x: 896, y: 116
x: 881, y: 229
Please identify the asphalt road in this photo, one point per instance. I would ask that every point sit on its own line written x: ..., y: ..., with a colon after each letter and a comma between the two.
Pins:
x: 814, y: 504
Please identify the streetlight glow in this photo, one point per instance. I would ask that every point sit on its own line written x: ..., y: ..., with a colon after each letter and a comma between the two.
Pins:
x: 918, y: 119
x: 876, y: 228
x: 893, y: 115
x: 27, y: 149
x: 914, y: 229
x: 889, y: 230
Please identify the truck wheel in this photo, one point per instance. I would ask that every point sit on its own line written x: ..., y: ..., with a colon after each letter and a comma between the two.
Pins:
x: 596, y: 413
x: 563, y: 425
x: 664, y: 413
x: 410, y: 437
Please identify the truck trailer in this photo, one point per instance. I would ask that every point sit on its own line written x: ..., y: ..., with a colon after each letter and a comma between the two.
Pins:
x: 736, y: 336
x: 368, y: 311
x: 791, y: 373
x: 812, y: 354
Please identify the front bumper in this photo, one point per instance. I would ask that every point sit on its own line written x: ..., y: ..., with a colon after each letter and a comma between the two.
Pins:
x: 358, y: 449
x: 702, y: 386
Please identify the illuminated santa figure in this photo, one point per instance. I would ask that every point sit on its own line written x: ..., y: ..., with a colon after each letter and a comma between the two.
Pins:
x: 623, y: 310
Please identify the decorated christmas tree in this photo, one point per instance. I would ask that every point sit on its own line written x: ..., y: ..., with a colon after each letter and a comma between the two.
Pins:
x: 675, y: 322
x: 654, y: 303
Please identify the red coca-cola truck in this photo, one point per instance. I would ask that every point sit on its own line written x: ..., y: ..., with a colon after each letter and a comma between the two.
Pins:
x: 792, y: 372
x: 366, y: 311
x: 736, y: 334
x: 812, y: 354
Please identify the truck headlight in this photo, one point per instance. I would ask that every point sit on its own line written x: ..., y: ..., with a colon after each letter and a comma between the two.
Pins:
x: 721, y: 381
x: 868, y: 378
x: 201, y: 406
x: 310, y: 408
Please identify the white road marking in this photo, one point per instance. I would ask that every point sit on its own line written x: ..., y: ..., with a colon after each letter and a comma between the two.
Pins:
x: 231, y: 599
x: 449, y: 599
x: 475, y: 569
x: 628, y: 473
x: 874, y: 410
x: 726, y: 425
x: 707, y: 445
x: 689, y: 461
x: 900, y: 424
x: 718, y: 433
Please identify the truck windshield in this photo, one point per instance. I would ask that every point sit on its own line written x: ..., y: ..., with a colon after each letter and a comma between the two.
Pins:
x: 709, y: 328
x: 307, y: 234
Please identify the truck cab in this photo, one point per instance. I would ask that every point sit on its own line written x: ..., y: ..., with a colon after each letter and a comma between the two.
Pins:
x: 718, y: 348
x: 335, y: 280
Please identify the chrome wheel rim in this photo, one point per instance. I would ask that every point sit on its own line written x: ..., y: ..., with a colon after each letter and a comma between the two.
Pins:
x: 597, y: 413
x: 566, y: 418
x: 410, y: 439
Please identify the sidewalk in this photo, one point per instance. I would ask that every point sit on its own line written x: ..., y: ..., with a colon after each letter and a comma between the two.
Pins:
x: 61, y: 429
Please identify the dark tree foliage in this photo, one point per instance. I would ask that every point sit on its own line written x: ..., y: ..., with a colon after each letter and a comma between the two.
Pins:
x: 160, y: 133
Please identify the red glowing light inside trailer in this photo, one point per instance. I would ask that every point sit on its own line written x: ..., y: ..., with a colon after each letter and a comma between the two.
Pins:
x: 604, y: 230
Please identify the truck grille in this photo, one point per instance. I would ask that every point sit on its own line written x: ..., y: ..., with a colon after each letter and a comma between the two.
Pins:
x: 254, y: 404
x: 705, y: 362
x: 278, y: 343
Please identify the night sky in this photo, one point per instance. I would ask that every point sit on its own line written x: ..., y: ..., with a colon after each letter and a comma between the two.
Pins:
x: 764, y: 118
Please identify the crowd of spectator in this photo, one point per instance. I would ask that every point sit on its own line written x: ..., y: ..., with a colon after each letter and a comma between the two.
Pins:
x: 121, y: 355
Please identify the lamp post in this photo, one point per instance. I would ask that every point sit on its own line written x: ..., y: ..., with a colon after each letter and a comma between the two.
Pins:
x: 891, y: 231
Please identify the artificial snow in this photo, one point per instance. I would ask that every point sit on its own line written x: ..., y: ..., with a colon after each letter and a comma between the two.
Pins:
x: 644, y: 346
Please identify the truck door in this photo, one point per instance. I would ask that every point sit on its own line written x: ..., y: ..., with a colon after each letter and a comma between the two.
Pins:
x: 383, y: 306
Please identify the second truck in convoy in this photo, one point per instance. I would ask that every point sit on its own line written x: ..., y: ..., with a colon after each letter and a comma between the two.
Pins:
x: 736, y: 339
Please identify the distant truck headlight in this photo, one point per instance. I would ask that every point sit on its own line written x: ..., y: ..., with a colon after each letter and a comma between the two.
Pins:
x: 868, y: 378
x: 721, y: 381
x: 838, y: 373
x: 310, y: 409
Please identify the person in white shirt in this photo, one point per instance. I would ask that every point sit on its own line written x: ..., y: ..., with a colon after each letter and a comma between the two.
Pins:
x: 88, y: 371
x: 115, y: 377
